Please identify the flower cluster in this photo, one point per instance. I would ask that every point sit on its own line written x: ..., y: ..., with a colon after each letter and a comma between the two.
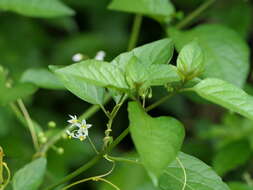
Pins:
x: 78, y: 129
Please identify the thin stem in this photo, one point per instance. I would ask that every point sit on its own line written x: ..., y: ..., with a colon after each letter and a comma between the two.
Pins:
x: 184, y: 172
x: 92, y: 162
x: 120, y: 159
x: 110, y: 183
x: 248, y: 179
x: 89, y: 179
x: 21, y: 118
x: 159, y: 102
x: 112, y: 115
x: 97, y: 158
x: 93, y: 145
x: 135, y: 32
x: 194, y: 14
x: 105, y: 111
x: 8, y: 175
x: 7, y: 181
x: 87, y: 114
x: 94, y: 178
x: 29, y: 123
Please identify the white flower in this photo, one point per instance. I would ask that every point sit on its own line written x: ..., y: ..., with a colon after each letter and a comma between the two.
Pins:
x: 77, y: 57
x: 81, y: 128
x: 74, y: 121
x: 85, y: 125
x: 100, y: 55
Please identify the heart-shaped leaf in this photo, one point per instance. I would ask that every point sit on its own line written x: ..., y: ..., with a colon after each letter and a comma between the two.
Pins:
x: 157, y: 140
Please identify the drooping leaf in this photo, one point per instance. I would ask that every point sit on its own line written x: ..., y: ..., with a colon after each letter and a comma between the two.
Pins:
x: 158, y: 52
x: 227, y: 95
x: 87, y: 92
x: 159, y: 9
x: 239, y: 150
x: 99, y: 73
x: 190, y: 61
x: 42, y: 78
x: 226, y: 54
x: 142, y: 75
x: 157, y: 140
x: 37, y: 8
x: 30, y: 176
x: 191, y: 173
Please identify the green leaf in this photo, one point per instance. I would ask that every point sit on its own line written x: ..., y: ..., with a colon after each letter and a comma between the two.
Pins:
x: 85, y: 91
x: 199, y: 176
x: 139, y: 74
x: 99, y: 73
x: 10, y: 94
x: 222, y: 162
x: 37, y: 8
x: 30, y: 176
x: 233, y: 17
x: 19, y: 91
x: 239, y: 186
x: 157, y: 140
x: 226, y: 95
x: 159, y: 9
x: 158, y: 52
x: 42, y: 78
x: 190, y: 61
x: 226, y: 54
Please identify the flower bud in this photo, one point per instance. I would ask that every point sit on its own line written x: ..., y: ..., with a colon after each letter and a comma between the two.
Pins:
x: 190, y: 61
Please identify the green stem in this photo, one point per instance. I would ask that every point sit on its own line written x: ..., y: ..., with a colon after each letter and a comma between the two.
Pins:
x: 92, y: 162
x: 29, y: 123
x: 21, y: 118
x: 159, y: 102
x: 98, y: 157
x: 87, y: 114
x: 194, y: 14
x: 135, y: 32
x: 7, y: 181
x: 93, y: 109
x: 90, y: 112
x: 119, y: 159
x: 96, y: 178
x: 93, y: 145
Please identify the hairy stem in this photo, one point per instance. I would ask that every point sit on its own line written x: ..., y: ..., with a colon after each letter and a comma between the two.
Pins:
x: 135, y: 32
x: 194, y: 14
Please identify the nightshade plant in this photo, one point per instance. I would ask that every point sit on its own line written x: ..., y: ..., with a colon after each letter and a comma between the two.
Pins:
x: 208, y: 60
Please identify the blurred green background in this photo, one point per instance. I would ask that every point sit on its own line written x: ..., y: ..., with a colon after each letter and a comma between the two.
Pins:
x: 27, y: 42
